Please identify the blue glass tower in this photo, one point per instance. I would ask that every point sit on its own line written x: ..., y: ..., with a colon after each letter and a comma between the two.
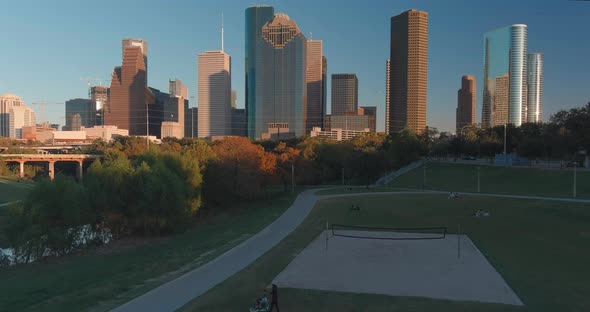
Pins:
x: 256, y: 17
x: 505, y: 76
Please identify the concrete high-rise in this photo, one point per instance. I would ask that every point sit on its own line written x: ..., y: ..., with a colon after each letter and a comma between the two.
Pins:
x: 278, y: 108
x: 14, y: 115
x: 535, y: 87
x: 214, y: 94
x: 408, y: 71
x: 177, y: 88
x: 345, y: 95
x: 256, y: 18
x: 127, y: 107
x: 465, y: 114
x: 505, y: 76
x: 315, y: 111
x: 387, y: 96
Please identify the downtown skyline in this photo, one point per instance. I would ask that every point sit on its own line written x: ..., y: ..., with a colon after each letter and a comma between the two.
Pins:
x: 446, y: 63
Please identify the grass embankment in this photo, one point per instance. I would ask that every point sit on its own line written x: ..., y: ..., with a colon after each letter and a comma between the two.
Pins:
x: 539, y: 247
x: 497, y: 180
x: 100, y: 280
x: 10, y: 191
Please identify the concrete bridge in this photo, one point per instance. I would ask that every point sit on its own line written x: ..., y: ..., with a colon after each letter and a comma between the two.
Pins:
x: 50, y: 160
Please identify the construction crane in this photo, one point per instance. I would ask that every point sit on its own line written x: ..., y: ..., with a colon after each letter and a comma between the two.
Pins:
x: 42, y: 107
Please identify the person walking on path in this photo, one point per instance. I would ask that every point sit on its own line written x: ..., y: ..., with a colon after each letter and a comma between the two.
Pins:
x: 274, y: 298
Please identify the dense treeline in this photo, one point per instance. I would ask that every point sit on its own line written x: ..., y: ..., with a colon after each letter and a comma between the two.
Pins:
x: 136, y: 189
x: 139, y: 190
x: 565, y: 135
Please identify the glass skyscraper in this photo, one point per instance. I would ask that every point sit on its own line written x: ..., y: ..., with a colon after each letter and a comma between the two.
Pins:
x: 535, y: 88
x: 256, y: 17
x: 275, y: 75
x: 505, y: 76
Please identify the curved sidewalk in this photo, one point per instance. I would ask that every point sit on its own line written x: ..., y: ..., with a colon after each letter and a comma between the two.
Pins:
x: 178, y: 292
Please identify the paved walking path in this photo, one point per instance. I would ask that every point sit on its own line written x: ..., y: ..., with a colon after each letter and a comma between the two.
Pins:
x: 178, y: 292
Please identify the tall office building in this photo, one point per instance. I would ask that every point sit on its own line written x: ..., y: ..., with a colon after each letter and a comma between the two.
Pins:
x: 14, y: 115
x: 371, y: 112
x: 278, y: 108
x: 84, y: 109
x: 535, y: 88
x: 191, y: 122
x: 315, y: 111
x: 238, y: 122
x: 157, y: 102
x: 175, y: 107
x: 99, y: 96
x: 127, y: 107
x: 465, y: 114
x: 73, y: 122
x: 142, y: 44
x: 345, y: 95
x: 256, y: 18
x: 408, y: 71
x: 387, y: 97
x: 176, y: 88
x: 505, y: 76
x: 214, y: 95
x: 324, y: 86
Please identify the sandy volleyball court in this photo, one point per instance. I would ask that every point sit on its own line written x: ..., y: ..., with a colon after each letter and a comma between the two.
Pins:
x: 423, y: 268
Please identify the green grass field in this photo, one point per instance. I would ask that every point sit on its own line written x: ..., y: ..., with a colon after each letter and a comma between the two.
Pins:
x: 500, y: 180
x: 539, y: 247
x: 100, y: 281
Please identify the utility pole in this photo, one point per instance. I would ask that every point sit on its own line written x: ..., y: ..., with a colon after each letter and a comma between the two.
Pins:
x: 424, y: 177
x: 147, y: 125
x: 504, y: 142
x: 342, y: 175
x: 292, y: 178
x: 575, y: 178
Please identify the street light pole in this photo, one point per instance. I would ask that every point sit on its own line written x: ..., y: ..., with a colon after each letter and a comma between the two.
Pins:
x: 575, y: 178
x: 424, y: 177
x: 504, y: 142
x: 292, y: 178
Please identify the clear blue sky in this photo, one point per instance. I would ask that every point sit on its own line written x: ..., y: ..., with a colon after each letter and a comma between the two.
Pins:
x: 47, y: 46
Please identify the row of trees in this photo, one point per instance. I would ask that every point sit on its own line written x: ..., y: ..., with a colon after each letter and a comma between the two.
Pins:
x: 139, y: 190
x: 566, y: 133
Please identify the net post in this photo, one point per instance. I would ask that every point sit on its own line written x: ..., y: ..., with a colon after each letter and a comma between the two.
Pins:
x: 458, y: 240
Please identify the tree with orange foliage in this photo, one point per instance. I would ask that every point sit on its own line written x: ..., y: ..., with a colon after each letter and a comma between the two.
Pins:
x: 285, y: 160
x: 236, y: 171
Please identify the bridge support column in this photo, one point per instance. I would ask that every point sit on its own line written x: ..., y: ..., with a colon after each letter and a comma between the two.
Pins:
x: 21, y: 172
x: 79, y: 171
x: 51, y: 170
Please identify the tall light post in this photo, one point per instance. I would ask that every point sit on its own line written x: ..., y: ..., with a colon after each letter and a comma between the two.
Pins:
x: 575, y: 177
x: 504, y: 142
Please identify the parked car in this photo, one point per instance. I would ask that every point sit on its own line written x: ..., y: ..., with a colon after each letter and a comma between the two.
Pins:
x: 468, y: 158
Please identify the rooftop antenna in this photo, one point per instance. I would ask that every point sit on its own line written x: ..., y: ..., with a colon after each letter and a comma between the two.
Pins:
x: 222, y: 31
